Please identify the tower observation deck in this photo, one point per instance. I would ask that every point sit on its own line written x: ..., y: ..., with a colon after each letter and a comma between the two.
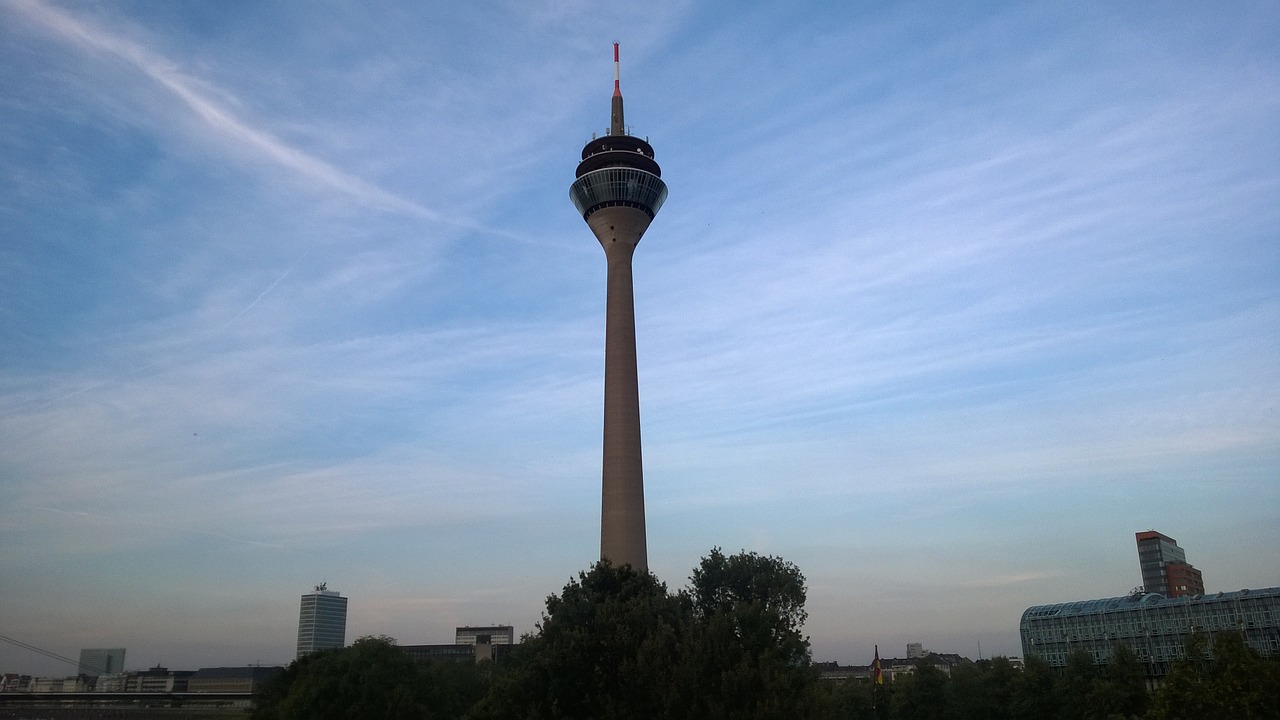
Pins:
x: 618, y: 190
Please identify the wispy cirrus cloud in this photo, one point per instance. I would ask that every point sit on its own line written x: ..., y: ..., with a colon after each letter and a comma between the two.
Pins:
x: 225, y: 123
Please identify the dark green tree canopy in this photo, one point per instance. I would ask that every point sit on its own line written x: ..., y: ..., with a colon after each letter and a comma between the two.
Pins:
x: 371, y: 679
x: 616, y: 644
x: 603, y: 649
x: 763, y: 596
x: 1222, y: 679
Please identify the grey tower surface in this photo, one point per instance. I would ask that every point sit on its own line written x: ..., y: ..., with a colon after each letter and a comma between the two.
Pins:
x: 618, y: 190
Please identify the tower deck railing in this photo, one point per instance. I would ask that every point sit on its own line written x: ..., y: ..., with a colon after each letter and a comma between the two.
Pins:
x: 613, y: 186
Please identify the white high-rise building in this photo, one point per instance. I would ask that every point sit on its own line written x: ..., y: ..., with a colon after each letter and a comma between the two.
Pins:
x: 322, y: 620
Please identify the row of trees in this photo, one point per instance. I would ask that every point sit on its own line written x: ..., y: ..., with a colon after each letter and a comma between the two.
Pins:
x: 618, y: 644
x: 1222, y: 680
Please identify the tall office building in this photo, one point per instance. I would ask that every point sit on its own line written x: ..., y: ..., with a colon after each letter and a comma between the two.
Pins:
x: 1164, y: 565
x: 322, y: 621
x: 101, y: 661
x: 618, y: 190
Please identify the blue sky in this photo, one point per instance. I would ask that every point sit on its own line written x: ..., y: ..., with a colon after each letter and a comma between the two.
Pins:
x: 947, y: 301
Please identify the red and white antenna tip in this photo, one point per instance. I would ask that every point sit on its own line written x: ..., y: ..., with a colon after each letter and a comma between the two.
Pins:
x: 617, y: 76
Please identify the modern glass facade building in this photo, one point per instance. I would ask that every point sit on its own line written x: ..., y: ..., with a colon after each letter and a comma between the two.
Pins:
x: 1154, y: 627
x: 101, y: 661
x: 322, y: 621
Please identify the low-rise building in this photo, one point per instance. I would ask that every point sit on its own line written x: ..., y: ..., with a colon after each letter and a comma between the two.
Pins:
x: 1156, y: 628
x: 458, y: 653
x: 14, y: 682
x: 230, y: 679
x: 893, y: 666
x: 53, y: 685
x: 484, y: 634
x: 158, y: 679
x: 472, y: 643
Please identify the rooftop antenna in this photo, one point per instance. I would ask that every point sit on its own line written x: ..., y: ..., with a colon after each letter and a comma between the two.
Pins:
x: 616, y: 126
x: 617, y: 74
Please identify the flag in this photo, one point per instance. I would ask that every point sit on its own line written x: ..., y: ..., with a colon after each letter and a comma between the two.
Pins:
x: 876, y: 674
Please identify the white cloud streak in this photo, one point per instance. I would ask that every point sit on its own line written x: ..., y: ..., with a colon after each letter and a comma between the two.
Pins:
x: 225, y: 123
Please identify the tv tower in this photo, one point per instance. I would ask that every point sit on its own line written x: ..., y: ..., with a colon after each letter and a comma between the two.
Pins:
x: 618, y: 190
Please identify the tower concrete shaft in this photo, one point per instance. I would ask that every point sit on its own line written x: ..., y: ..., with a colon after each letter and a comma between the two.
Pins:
x: 618, y: 190
x: 622, y: 520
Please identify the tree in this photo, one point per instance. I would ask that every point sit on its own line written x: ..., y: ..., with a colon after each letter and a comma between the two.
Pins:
x: 981, y: 691
x: 1247, y: 685
x: 371, y: 679
x: 454, y: 688
x: 845, y: 700
x: 605, y: 648
x: 1035, y: 694
x: 1231, y: 681
x: 745, y: 655
x: 1075, y: 684
x: 922, y: 695
x: 763, y: 596
x: 1121, y: 688
x: 616, y: 644
x: 1000, y: 679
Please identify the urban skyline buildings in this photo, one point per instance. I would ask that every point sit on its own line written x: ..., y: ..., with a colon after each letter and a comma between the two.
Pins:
x: 618, y: 190
x: 322, y: 620
x: 1155, y: 620
x: 1164, y: 565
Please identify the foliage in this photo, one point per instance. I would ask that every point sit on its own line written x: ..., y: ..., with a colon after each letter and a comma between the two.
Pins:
x: 982, y: 691
x: 922, y: 695
x: 604, y: 649
x: 744, y: 654
x: 1035, y: 695
x: 1232, y: 681
x: 1121, y: 688
x: 1228, y: 681
x: 371, y: 679
x: 762, y: 597
x: 848, y: 700
x: 616, y: 644
x: 1074, y: 685
x: 992, y: 690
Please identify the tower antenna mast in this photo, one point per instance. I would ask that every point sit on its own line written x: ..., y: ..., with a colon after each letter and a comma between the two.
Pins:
x: 616, y: 125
